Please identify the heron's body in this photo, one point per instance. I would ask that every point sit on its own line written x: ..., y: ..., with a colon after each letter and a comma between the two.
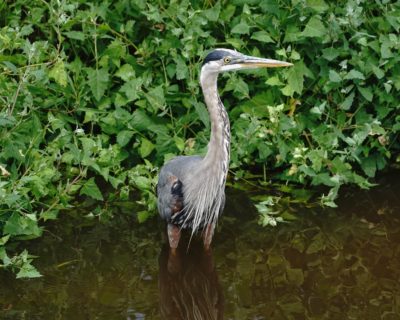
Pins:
x: 173, y: 176
x: 191, y: 189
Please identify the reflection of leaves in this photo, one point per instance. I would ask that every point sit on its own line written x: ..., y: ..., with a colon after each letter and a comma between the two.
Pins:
x: 291, y: 304
x: 275, y: 209
x: 295, y: 276
x: 305, y: 268
x: 316, y: 245
x: 267, y: 214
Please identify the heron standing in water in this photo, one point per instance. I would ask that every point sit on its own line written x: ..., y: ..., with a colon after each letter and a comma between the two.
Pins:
x: 191, y: 189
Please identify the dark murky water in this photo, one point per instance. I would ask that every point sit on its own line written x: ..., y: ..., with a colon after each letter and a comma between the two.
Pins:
x: 332, y: 264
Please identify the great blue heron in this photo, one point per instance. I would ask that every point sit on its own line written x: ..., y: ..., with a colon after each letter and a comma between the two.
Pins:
x: 191, y: 189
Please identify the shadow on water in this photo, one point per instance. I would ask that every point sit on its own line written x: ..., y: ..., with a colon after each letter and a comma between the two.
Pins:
x: 327, y: 264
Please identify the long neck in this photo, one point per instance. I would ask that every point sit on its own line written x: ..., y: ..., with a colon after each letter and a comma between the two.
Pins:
x: 217, y: 156
x: 204, y: 188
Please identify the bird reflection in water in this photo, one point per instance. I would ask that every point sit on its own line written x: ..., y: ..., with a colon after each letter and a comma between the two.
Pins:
x: 188, y: 283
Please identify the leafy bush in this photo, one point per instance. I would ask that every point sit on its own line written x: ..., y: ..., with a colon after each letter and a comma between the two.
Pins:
x: 106, y: 91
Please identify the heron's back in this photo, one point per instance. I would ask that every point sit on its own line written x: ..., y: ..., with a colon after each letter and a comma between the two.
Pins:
x: 181, y: 167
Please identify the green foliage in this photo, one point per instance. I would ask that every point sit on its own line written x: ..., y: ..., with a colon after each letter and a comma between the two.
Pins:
x: 93, y: 93
x: 268, y: 217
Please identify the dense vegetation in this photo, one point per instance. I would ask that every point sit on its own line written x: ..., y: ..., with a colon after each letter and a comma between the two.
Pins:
x: 103, y: 92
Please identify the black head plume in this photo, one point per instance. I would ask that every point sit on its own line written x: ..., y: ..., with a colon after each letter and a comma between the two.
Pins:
x: 215, y: 55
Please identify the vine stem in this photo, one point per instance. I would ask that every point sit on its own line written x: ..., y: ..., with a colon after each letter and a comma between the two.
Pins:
x: 14, y: 102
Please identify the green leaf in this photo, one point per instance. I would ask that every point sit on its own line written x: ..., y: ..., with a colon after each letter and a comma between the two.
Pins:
x: 235, y: 42
x: 77, y: 35
x: 366, y: 93
x: 6, y: 120
x: 319, y: 109
x: 330, y: 53
x: 3, y: 240
x: 348, y: 102
x: 180, y: 143
x: 10, y: 65
x: 28, y: 271
x: 287, y: 91
x: 241, y: 28
x: 294, y: 55
x: 379, y: 73
x: 281, y: 52
x: 58, y: 73
x: 18, y: 225
x: 123, y: 137
x: 132, y: 88
x: 143, y: 122
x: 324, y: 179
x: 26, y: 30
x: 295, y: 79
x: 388, y: 87
x: 156, y: 98
x: 212, y: 14
x: 386, y: 46
x: 4, y: 257
x: 182, y: 71
x: 237, y: 85
x: 292, y: 34
x: 146, y: 147
x: 262, y: 36
x: 318, y: 5
x: 98, y: 81
x: 334, y: 76
x: 91, y: 189
x: 143, y: 183
x: 202, y: 112
x: 274, y: 81
x: 314, y: 28
x: 126, y: 72
x: 393, y: 19
x: 143, y: 216
x: 354, y: 74
x: 49, y: 215
x: 369, y: 166
x: 227, y: 12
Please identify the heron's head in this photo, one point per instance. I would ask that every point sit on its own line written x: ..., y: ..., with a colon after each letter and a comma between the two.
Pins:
x: 221, y: 60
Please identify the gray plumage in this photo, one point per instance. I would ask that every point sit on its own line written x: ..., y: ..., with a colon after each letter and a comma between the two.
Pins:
x: 191, y: 189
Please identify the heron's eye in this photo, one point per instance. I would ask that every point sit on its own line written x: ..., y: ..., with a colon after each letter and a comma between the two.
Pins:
x: 227, y: 60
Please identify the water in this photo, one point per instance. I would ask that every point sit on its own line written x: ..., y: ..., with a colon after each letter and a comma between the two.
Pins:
x: 328, y: 264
